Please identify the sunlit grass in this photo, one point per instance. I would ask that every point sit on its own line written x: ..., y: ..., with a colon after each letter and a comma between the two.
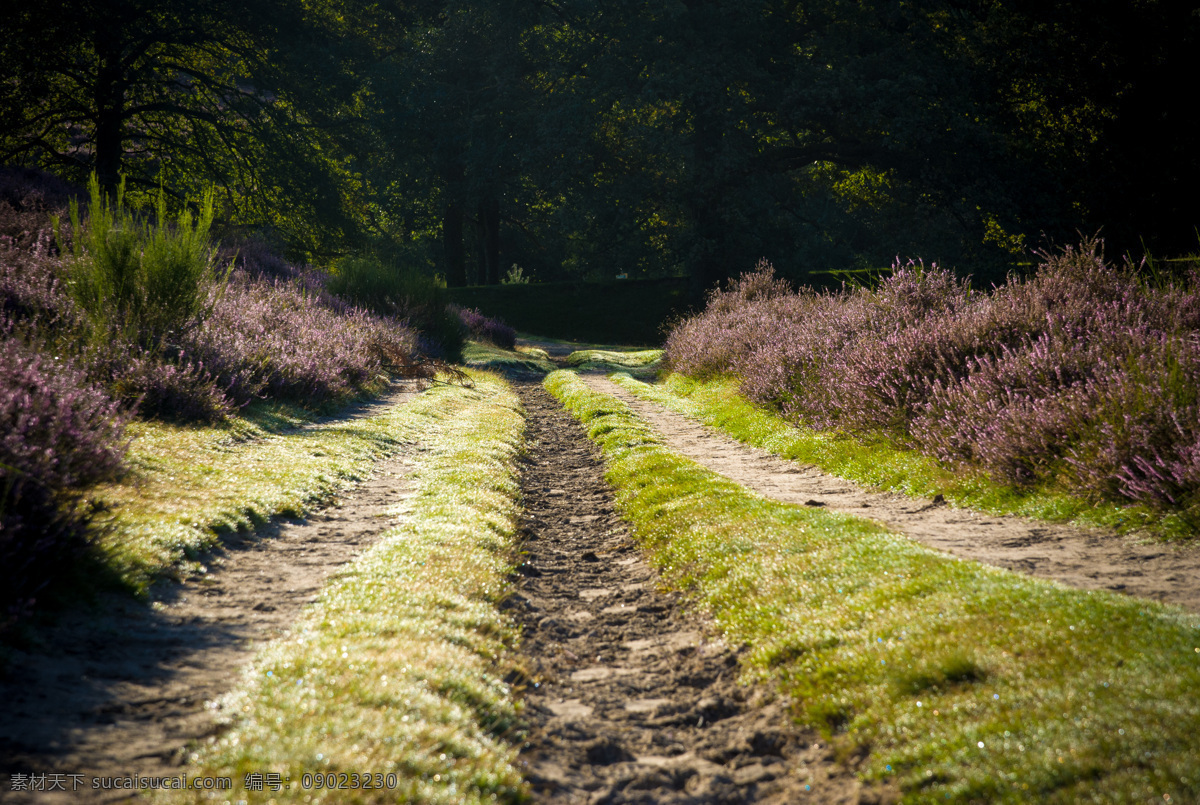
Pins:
x: 397, y: 668
x: 961, y: 682
x: 483, y: 355
x: 642, y: 363
x: 188, y: 484
x: 878, y: 463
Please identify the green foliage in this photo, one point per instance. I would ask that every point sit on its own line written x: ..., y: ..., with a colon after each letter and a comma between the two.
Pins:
x: 643, y: 364
x: 522, y: 360
x: 403, y: 292
x: 516, y: 276
x: 142, y: 281
x: 829, y: 135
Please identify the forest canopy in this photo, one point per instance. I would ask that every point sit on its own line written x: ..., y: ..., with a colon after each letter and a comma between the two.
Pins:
x: 583, y: 139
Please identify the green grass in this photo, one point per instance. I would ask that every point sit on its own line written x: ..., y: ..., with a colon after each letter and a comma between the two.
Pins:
x: 188, y: 485
x: 482, y: 355
x: 397, y: 668
x: 961, y: 683
x: 640, y: 363
x: 882, y: 465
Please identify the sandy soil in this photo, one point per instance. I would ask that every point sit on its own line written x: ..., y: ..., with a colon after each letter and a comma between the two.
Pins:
x: 1091, y: 559
x: 631, y: 700
x: 122, y: 689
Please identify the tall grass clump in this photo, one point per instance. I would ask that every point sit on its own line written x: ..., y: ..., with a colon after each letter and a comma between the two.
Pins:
x: 148, y: 283
x: 1083, y: 375
x: 401, y: 293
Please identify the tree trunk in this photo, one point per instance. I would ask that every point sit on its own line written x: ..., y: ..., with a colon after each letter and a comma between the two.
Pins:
x: 489, y: 215
x: 452, y: 244
x: 481, y: 268
x: 110, y: 108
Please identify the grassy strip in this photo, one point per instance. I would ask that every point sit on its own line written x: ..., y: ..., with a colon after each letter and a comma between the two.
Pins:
x: 190, y: 484
x: 642, y: 363
x: 959, y: 682
x: 395, y: 669
x: 882, y: 465
x: 481, y: 355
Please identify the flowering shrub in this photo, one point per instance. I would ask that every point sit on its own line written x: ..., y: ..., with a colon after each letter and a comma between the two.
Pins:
x: 58, y: 434
x: 400, y: 292
x: 270, y: 337
x: 31, y: 286
x: 485, y: 328
x: 27, y: 200
x: 1084, y: 373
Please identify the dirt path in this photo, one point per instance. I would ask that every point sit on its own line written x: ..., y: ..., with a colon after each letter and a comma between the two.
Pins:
x: 630, y: 699
x: 1086, y: 558
x: 121, y: 691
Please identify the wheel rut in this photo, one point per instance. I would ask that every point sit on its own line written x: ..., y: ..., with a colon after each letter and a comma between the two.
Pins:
x: 632, y: 699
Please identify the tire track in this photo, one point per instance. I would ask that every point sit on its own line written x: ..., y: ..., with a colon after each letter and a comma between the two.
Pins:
x: 631, y: 700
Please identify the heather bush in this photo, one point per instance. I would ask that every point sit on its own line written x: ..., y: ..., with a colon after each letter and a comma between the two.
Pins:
x: 254, y: 257
x: 32, y: 292
x: 58, y: 435
x: 273, y: 338
x: 485, y: 328
x: 28, y: 198
x: 162, y: 384
x: 1084, y: 373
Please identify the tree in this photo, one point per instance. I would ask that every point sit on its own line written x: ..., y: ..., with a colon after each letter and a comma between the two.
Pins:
x: 184, y: 95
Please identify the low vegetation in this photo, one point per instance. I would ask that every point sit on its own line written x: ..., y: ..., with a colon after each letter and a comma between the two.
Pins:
x: 58, y: 436
x: 880, y: 464
x: 486, y: 328
x: 187, y: 485
x: 400, y: 293
x: 396, y: 671
x: 117, y: 316
x: 484, y: 355
x: 1082, y: 376
x: 643, y: 363
x: 955, y: 681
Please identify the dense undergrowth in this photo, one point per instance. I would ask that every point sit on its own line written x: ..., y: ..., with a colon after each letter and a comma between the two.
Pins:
x: 109, y: 314
x: 396, y: 672
x: 1084, y: 376
x: 954, y: 681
